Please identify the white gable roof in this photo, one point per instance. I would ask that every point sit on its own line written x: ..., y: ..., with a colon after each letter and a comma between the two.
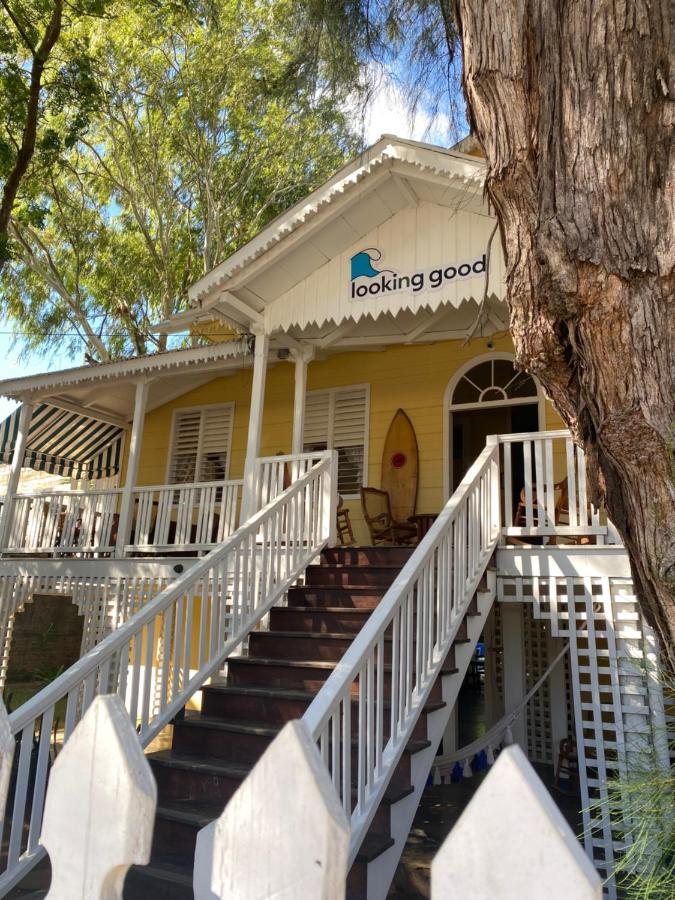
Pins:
x: 418, y: 206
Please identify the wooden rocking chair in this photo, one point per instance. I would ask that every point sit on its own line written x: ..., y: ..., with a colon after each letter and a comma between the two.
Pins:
x: 383, y: 528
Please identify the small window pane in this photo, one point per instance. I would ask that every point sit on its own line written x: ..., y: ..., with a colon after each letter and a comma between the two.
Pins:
x: 465, y: 392
x: 522, y: 386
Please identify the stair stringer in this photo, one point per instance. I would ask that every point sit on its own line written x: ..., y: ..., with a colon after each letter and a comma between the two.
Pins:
x: 381, y: 870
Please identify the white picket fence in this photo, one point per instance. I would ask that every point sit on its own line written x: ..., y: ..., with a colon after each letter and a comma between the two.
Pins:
x: 167, y: 650
x: 286, y: 837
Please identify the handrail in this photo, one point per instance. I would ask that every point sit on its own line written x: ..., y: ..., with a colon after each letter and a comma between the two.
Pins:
x: 166, y: 651
x: 419, y: 616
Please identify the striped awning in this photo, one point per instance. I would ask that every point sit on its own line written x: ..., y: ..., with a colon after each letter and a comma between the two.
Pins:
x: 63, y: 442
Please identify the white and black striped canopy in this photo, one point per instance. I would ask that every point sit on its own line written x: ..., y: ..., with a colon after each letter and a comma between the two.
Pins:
x: 63, y: 442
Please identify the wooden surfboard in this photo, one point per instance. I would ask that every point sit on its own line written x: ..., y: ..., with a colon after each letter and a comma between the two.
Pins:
x: 400, y: 466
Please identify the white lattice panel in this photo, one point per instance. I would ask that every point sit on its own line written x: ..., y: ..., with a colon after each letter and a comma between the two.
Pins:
x: 610, y: 687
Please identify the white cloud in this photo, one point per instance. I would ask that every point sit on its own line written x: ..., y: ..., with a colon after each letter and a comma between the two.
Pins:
x: 387, y: 112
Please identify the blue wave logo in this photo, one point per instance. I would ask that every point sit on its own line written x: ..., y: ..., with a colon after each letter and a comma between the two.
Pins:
x: 362, y: 263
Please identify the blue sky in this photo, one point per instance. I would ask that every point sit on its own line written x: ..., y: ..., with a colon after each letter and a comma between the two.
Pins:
x: 13, y: 367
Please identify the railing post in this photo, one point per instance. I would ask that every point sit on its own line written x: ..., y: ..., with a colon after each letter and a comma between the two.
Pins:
x: 124, y: 524
x: 302, y: 359
x: 25, y: 416
x: 262, y: 345
x: 329, y: 500
x: 495, y: 491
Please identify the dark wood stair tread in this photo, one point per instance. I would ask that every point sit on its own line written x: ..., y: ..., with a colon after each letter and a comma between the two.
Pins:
x: 189, y: 812
x: 234, y: 726
x: 374, y: 845
x: 273, y: 693
x: 208, y: 765
x: 321, y: 663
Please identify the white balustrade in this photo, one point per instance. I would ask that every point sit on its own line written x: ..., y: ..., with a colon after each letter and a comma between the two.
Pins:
x: 100, y: 806
x: 168, y: 649
x: 173, y: 517
x: 283, y: 834
x: 63, y: 522
x: 545, y: 490
x: 273, y: 474
x: 401, y: 649
x: 183, y: 516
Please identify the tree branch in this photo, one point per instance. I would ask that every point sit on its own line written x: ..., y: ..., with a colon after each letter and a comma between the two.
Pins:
x: 28, y: 140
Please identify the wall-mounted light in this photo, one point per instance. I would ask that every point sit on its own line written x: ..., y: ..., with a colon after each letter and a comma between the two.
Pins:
x: 491, y: 345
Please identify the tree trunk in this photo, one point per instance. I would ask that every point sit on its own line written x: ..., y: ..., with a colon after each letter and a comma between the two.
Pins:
x: 573, y: 104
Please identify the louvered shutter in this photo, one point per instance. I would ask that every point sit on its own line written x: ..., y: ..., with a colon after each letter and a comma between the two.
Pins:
x: 201, y: 443
x: 216, y: 431
x: 338, y: 419
x: 349, y: 437
x: 317, y: 415
x: 186, y: 429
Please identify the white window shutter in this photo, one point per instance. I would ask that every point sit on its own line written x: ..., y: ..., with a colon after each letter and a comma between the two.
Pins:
x: 338, y: 419
x: 349, y: 437
x: 185, y: 446
x: 216, y: 431
x: 201, y: 444
x: 317, y: 416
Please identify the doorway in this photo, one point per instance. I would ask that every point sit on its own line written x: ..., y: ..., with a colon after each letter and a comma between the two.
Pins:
x: 488, y: 396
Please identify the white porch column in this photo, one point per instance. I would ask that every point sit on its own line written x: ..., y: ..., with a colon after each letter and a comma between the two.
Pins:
x: 15, y: 471
x: 302, y: 359
x: 514, y: 667
x: 126, y: 507
x: 262, y: 345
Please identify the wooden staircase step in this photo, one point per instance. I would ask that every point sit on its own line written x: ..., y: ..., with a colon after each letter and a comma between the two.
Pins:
x: 319, y: 619
x: 308, y: 675
x: 351, y: 575
x: 350, y: 597
x: 182, y: 777
x: 366, y: 556
x: 313, y: 645
x: 163, y: 879
x: 276, y: 706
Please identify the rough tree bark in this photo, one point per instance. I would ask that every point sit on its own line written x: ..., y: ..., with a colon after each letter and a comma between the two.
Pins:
x: 573, y: 104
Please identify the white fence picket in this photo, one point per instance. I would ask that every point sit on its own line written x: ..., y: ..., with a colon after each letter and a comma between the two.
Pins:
x: 283, y: 834
x: 100, y: 806
x: 512, y: 843
x: 7, y: 744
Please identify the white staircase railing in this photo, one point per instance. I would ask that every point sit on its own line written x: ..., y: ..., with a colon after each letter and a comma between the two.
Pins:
x: 404, y: 645
x: 165, y: 652
x: 273, y: 474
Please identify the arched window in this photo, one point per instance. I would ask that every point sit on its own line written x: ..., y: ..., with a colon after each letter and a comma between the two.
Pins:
x: 493, y: 380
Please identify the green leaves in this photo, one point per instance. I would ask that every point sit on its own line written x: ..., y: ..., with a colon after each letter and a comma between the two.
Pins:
x: 169, y: 135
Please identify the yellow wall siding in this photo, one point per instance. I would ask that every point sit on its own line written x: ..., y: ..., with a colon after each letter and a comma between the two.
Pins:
x: 413, y: 378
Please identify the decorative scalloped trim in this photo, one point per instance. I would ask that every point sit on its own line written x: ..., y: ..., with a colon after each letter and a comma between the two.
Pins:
x: 386, y: 158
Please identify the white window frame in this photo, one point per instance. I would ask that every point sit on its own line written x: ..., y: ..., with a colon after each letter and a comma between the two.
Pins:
x: 172, y: 438
x: 332, y: 391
